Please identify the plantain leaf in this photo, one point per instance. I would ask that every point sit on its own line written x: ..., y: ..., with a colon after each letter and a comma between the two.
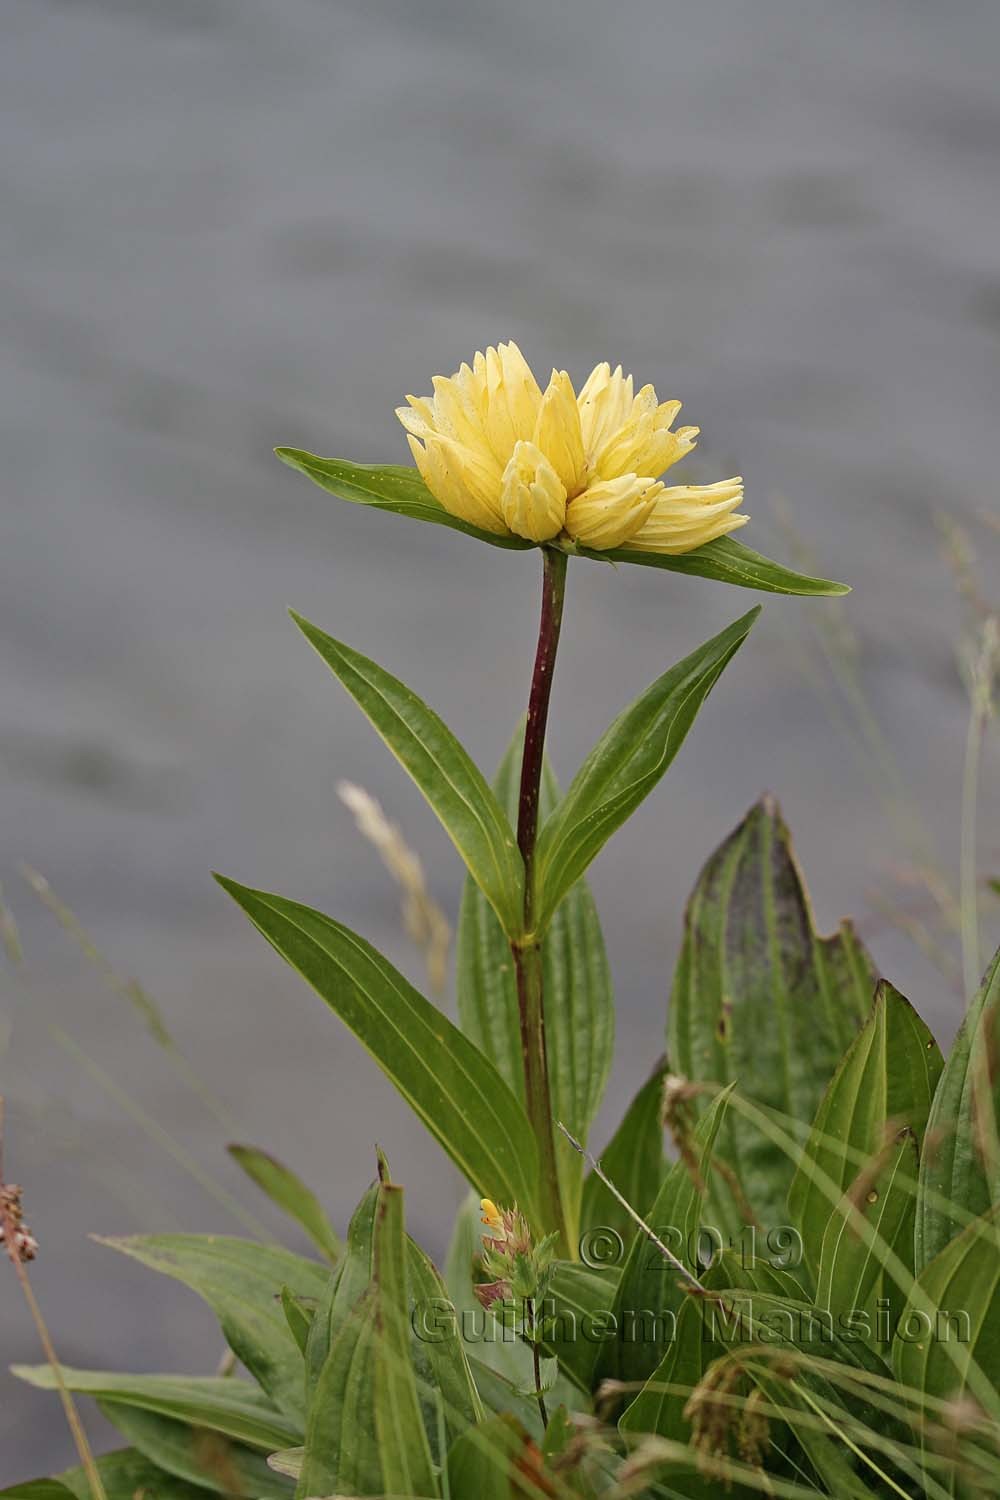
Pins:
x: 579, y: 1004
x: 202, y: 1457
x: 290, y: 1193
x: 341, y: 1454
x: 399, y: 1428
x: 344, y: 1288
x: 452, y: 784
x: 625, y: 765
x: 579, y: 1302
x: 459, y: 1095
x: 399, y: 488
x: 241, y: 1282
x: 495, y: 1461
x: 391, y: 487
x: 881, y: 1091
x: 960, y: 1169
x: 652, y: 1289
x: 232, y: 1407
x: 729, y: 561
x: 947, y: 1343
x: 659, y: 1406
x: 125, y: 1475
x: 38, y: 1489
x: 438, y: 1351
x: 365, y: 1432
x: 298, y: 1316
x: 633, y: 1159
x: 758, y: 996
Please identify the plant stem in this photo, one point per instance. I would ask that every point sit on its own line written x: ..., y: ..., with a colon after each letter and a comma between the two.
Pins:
x: 527, y: 950
x: 536, y: 1360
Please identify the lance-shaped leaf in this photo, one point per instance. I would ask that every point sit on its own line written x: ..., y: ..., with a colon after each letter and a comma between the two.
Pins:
x: 652, y: 1288
x: 202, y: 1457
x: 579, y: 1003
x: 633, y: 1159
x: 391, y: 487
x: 454, y: 786
x: 960, y: 1169
x: 242, y: 1283
x: 882, y: 1089
x: 365, y: 1433
x: 399, y: 489
x: 729, y: 561
x: 399, y: 1428
x: 625, y: 765
x: 444, y: 1377
x: 760, y: 998
x: 659, y: 1406
x: 577, y: 1311
x: 290, y: 1193
x: 234, y: 1408
x: 460, y: 1097
x: 344, y: 1288
x: 947, y: 1343
x: 341, y: 1452
x: 124, y: 1475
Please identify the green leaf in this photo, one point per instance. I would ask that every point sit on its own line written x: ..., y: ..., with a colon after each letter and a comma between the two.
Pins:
x: 341, y: 1452
x: 960, y: 1169
x: 365, y: 1433
x: 391, y: 487
x: 298, y: 1316
x: 439, y: 1355
x: 579, y: 1003
x: 460, y: 1097
x: 633, y: 1159
x: 125, y: 1475
x: 579, y: 1301
x: 759, y: 997
x: 399, y: 1429
x: 202, y: 1457
x: 883, y: 1087
x: 400, y: 489
x: 488, y: 1462
x: 659, y: 1406
x: 290, y: 1193
x: 652, y: 1290
x: 729, y: 561
x: 230, y: 1406
x: 947, y: 1343
x: 38, y: 1489
x: 453, y: 785
x: 625, y: 765
x: 241, y: 1282
x: 344, y: 1288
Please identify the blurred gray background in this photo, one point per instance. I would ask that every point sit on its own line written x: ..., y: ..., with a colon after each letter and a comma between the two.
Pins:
x: 229, y: 224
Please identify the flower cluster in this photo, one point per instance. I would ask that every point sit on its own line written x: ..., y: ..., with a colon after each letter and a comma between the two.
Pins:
x: 519, y: 1268
x: 550, y: 465
x: 15, y: 1236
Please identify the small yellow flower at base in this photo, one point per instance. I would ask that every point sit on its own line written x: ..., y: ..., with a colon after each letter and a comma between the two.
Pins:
x: 492, y: 1218
x: 498, y: 452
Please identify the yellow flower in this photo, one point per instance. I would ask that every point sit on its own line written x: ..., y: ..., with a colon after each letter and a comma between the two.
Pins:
x: 550, y: 465
x: 492, y: 1218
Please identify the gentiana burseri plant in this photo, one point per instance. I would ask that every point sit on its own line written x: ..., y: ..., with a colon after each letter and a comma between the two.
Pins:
x: 800, y: 1299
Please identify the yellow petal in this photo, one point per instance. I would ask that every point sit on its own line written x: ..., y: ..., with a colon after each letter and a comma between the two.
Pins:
x: 533, y: 497
x: 644, y: 444
x: 558, y: 433
x: 611, y: 511
x: 687, y: 516
x: 512, y: 400
x: 605, y: 403
x: 459, y: 482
